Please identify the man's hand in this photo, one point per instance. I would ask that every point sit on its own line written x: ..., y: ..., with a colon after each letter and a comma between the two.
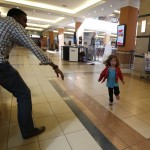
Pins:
x: 59, y: 72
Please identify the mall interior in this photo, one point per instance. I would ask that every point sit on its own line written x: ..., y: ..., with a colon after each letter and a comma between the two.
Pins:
x: 76, y: 110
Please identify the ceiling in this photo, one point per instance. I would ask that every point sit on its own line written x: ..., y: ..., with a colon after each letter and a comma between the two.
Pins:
x: 53, y: 14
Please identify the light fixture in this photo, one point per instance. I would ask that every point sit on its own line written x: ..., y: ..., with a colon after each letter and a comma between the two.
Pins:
x: 71, y: 30
x: 68, y: 33
x: 35, y: 29
x: 45, y: 20
x: 143, y: 26
x: 117, y: 11
x: 38, y: 25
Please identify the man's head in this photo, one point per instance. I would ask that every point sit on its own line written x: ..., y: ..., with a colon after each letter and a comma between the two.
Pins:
x: 19, y: 15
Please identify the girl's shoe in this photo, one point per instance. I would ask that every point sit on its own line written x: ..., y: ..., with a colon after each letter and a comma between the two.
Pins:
x: 117, y: 97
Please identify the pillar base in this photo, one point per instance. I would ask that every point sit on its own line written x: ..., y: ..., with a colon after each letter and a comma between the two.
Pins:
x: 126, y: 59
x: 139, y: 65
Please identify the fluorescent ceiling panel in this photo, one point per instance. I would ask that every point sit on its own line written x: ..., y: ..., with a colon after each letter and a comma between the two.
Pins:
x: 45, y: 20
x: 56, y: 8
x: 35, y: 29
x: 38, y: 25
x: 40, y: 19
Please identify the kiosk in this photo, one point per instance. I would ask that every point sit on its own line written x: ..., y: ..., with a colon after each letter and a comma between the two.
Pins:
x: 70, y: 53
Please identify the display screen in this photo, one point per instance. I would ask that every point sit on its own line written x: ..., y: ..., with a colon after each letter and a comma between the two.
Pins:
x: 121, y: 30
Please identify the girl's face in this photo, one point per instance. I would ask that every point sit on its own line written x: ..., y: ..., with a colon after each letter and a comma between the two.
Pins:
x: 113, y: 62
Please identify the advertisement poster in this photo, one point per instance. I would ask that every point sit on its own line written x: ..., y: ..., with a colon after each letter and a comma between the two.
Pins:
x: 121, y: 35
x: 90, y: 50
x: 87, y: 38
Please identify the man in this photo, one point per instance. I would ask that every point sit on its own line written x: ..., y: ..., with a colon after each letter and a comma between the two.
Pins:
x: 12, y: 31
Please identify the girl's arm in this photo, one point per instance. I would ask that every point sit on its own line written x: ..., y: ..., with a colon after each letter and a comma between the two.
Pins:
x: 120, y: 75
x: 102, y: 75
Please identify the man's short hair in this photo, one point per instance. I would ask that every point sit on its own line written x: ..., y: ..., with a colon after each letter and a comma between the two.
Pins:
x: 15, y: 12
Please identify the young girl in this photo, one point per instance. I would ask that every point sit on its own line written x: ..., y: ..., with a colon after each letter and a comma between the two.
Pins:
x: 112, y: 72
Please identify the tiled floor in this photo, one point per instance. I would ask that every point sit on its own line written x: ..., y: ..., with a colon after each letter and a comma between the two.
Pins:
x: 126, y: 125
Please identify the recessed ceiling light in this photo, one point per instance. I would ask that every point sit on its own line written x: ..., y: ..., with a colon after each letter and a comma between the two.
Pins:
x: 94, y: 11
x: 102, y: 9
x: 110, y: 5
x: 49, y: 13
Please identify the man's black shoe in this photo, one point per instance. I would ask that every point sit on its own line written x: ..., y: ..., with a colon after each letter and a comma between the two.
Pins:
x: 36, y: 132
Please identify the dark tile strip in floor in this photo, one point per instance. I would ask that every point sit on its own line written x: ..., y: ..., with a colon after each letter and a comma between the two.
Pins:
x: 99, y: 137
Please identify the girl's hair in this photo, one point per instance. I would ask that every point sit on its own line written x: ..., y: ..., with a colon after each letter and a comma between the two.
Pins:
x: 110, y: 57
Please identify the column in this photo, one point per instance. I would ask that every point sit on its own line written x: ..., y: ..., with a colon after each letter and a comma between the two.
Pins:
x: 77, y: 25
x: 107, y: 39
x: 128, y: 16
x: 78, y: 30
x: 51, y: 40
x: 143, y: 38
x: 61, y: 37
x: 44, y: 41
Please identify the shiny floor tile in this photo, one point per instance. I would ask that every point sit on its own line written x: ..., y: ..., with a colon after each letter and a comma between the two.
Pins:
x: 33, y: 146
x: 13, y: 115
x: 78, y: 141
x: 15, y: 138
x: 58, y: 143
x: 143, y: 145
x: 144, y: 117
x: 4, y: 114
x: 42, y: 110
x: 3, y: 137
x: 53, y: 96
x: 38, y: 98
x: 6, y: 100
x: 69, y: 123
x: 112, y: 136
x: 60, y: 107
x: 139, y: 126
x: 52, y: 127
x: 119, y: 111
